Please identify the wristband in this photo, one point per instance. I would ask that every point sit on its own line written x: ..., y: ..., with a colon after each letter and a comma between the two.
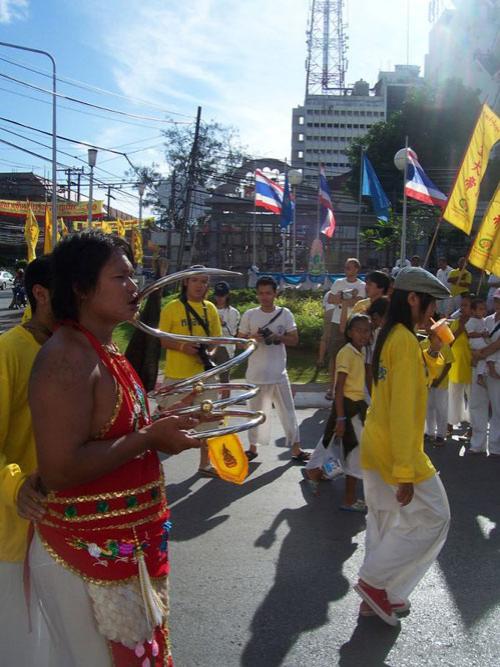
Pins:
x: 341, y: 419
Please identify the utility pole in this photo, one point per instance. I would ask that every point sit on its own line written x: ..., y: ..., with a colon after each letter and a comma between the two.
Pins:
x: 189, y: 191
x: 108, y: 205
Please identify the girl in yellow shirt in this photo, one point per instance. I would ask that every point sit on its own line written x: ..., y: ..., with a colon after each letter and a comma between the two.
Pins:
x: 408, y: 512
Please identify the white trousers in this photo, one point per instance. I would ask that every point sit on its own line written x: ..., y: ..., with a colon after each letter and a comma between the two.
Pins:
x: 479, y: 414
x: 75, y: 640
x: 281, y: 395
x: 401, y: 543
x: 494, y: 395
x: 436, y: 421
x: 19, y: 646
x: 458, y: 411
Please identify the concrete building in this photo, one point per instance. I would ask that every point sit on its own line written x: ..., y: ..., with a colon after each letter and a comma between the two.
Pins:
x: 324, y: 127
x: 464, y: 43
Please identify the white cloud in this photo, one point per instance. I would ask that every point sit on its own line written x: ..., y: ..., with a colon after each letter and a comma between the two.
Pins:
x: 13, y: 10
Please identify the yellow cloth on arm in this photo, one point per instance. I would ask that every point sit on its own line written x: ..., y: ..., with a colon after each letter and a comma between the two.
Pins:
x: 447, y: 356
x: 18, y: 350
x: 393, y: 437
x: 361, y: 306
x: 461, y: 369
x: 351, y: 361
x: 173, y: 320
x: 466, y: 277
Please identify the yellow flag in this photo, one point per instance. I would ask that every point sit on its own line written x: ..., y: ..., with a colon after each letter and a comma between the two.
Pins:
x: 47, y: 239
x: 120, y: 228
x: 485, y: 251
x: 137, y: 246
x: 31, y: 233
x: 462, y: 202
x: 62, y: 230
x: 106, y: 227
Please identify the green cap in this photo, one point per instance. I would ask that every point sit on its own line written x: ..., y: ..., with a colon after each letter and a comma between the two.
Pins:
x: 416, y: 279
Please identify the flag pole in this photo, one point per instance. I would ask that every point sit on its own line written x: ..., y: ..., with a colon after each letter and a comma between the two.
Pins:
x: 358, y: 231
x: 433, y: 240
x: 294, y: 230
x: 403, y: 225
x: 254, y: 225
x: 318, y: 211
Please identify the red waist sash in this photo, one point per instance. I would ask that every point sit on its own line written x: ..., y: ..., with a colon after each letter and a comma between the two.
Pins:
x: 99, y: 529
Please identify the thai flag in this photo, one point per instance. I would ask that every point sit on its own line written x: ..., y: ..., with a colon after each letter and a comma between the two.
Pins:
x: 326, y: 206
x: 419, y: 186
x: 268, y: 195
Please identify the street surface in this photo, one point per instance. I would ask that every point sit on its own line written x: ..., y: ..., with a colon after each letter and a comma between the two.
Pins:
x: 262, y: 573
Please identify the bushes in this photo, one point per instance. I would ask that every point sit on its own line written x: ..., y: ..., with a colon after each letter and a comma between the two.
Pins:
x: 305, y: 306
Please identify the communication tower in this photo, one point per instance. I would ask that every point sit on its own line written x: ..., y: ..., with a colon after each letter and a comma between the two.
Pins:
x: 326, y: 62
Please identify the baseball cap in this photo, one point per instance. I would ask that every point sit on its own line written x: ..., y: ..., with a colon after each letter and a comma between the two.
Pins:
x: 496, y: 293
x: 416, y: 279
x: 221, y: 288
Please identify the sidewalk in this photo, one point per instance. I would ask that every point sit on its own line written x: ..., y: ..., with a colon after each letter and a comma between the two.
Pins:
x: 311, y: 395
x: 9, y: 318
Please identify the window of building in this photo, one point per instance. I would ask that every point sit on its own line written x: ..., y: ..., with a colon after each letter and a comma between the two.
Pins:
x: 300, y: 154
x: 301, y: 137
x: 301, y: 120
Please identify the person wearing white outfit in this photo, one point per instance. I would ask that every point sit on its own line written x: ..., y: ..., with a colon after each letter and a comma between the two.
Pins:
x: 492, y: 355
x: 477, y: 333
x: 408, y: 512
x: 273, y: 328
x: 442, y: 275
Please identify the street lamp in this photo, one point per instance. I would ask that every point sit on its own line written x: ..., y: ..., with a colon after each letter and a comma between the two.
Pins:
x: 295, y: 179
x: 54, y: 131
x: 401, y: 162
x: 92, y: 157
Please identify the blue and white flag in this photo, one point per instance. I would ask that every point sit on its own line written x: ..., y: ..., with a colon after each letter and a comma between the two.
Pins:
x: 371, y: 187
x: 287, y: 206
x: 326, y: 207
x: 419, y: 186
x: 268, y: 194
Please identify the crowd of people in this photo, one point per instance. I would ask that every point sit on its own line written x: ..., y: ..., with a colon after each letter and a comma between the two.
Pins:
x: 84, y: 520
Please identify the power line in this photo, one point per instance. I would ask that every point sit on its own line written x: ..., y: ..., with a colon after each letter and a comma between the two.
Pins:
x: 86, y: 86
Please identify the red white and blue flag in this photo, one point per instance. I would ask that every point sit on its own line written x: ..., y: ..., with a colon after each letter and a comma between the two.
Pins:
x: 419, y: 186
x: 327, y: 217
x: 268, y: 194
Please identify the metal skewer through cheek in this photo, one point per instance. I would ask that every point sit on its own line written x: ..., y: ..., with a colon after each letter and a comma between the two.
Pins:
x: 195, y: 384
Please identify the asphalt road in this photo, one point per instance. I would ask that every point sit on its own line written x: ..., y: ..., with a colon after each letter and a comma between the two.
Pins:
x: 262, y: 573
x: 7, y: 317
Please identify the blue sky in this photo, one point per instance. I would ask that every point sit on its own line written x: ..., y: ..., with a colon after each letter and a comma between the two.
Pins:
x: 241, y: 60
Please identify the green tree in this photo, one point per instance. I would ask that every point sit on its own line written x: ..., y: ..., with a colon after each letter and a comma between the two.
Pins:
x: 219, y: 151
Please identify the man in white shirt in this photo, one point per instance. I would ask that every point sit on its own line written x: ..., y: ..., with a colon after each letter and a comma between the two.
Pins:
x: 493, y: 285
x: 273, y: 328
x: 344, y: 292
x: 326, y: 337
x: 442, y: 275
x: 492, y: 355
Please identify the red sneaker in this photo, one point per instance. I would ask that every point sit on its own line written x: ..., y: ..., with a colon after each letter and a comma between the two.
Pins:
x: 377, y: 600
x: 399, y: 607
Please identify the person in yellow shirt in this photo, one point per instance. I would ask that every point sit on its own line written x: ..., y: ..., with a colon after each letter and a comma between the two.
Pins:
x: 190, y: 315
x: 436, y: 421
x: 377, y: 285
x: 408, y: 511
x: 20, y: 500
x: 460, y: 281
x: 348, y: 412
x: 461, y: 370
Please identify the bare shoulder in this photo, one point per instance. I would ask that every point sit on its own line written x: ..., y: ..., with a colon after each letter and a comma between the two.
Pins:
x: 66, y: 360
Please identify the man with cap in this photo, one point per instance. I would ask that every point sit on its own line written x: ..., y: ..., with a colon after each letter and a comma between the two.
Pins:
x: 229, y: 319
x: 408, y: 511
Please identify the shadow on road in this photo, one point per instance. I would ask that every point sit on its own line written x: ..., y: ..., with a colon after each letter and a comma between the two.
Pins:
x: 470, y: 559
x: 306, y: 581
x: 371, y: 638
x: 197, y: 513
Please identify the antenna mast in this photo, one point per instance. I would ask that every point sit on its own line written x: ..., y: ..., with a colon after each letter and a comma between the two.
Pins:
x: 326, y: 41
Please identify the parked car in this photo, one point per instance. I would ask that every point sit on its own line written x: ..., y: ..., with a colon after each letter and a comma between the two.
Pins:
x: 6, y: 279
